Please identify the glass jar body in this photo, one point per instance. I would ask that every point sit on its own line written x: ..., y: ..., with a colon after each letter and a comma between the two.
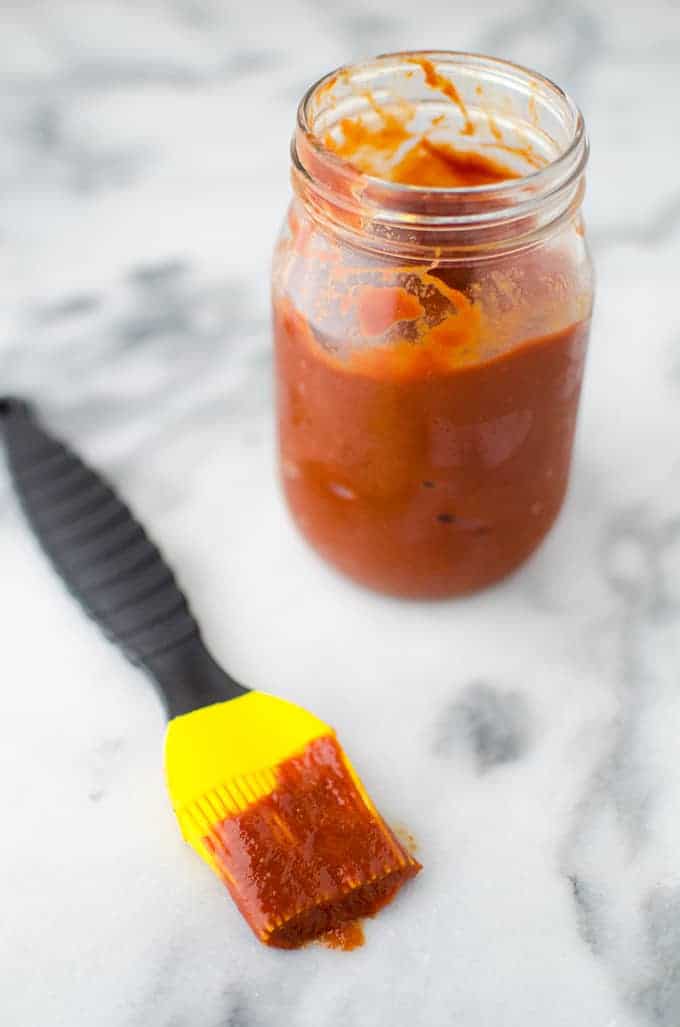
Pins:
x: 427, y: 398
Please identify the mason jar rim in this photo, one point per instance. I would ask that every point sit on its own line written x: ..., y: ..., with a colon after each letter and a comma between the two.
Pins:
x: 398, y: 203
x: 470, y: 57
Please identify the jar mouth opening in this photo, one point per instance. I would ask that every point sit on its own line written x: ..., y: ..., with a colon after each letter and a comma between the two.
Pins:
x: 536, y: 97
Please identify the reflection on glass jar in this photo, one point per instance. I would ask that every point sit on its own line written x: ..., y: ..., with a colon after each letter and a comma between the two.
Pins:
x: 432, y: 291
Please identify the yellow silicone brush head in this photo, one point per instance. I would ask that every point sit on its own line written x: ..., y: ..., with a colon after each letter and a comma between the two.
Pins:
x: 265, y: 794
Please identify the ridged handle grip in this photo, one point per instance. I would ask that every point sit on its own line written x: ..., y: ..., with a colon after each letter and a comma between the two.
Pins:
x: 108, y: 562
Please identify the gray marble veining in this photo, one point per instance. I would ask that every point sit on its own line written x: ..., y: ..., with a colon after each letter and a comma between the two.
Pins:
x: 533, y: 749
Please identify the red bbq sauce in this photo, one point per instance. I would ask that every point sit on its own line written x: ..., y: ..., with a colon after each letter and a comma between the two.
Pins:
x: 311, y: 858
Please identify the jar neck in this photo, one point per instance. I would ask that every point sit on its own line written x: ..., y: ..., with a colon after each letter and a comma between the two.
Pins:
x: 498, y: 107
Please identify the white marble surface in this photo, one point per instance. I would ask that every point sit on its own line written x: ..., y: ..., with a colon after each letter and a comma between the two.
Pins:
x: 528, y: 737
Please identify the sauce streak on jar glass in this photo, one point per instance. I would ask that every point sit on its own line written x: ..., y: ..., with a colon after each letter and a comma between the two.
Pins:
x: 432, y: 293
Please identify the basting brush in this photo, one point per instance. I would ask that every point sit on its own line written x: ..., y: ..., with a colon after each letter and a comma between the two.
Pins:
x: 261, y: 788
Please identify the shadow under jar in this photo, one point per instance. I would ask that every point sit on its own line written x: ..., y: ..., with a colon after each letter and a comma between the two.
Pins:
x: 432, y: 292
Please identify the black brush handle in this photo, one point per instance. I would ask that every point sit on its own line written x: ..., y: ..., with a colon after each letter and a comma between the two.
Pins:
x: 106, y: 559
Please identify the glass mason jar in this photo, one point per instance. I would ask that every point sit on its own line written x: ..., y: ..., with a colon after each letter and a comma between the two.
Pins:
x: 431, y: 313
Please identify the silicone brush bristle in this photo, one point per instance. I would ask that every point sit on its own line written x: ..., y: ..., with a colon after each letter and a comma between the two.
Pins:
x: 298, y: 843
x: 310, y: 854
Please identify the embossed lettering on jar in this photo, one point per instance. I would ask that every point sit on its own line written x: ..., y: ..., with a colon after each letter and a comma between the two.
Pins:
x: 432, y: 293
